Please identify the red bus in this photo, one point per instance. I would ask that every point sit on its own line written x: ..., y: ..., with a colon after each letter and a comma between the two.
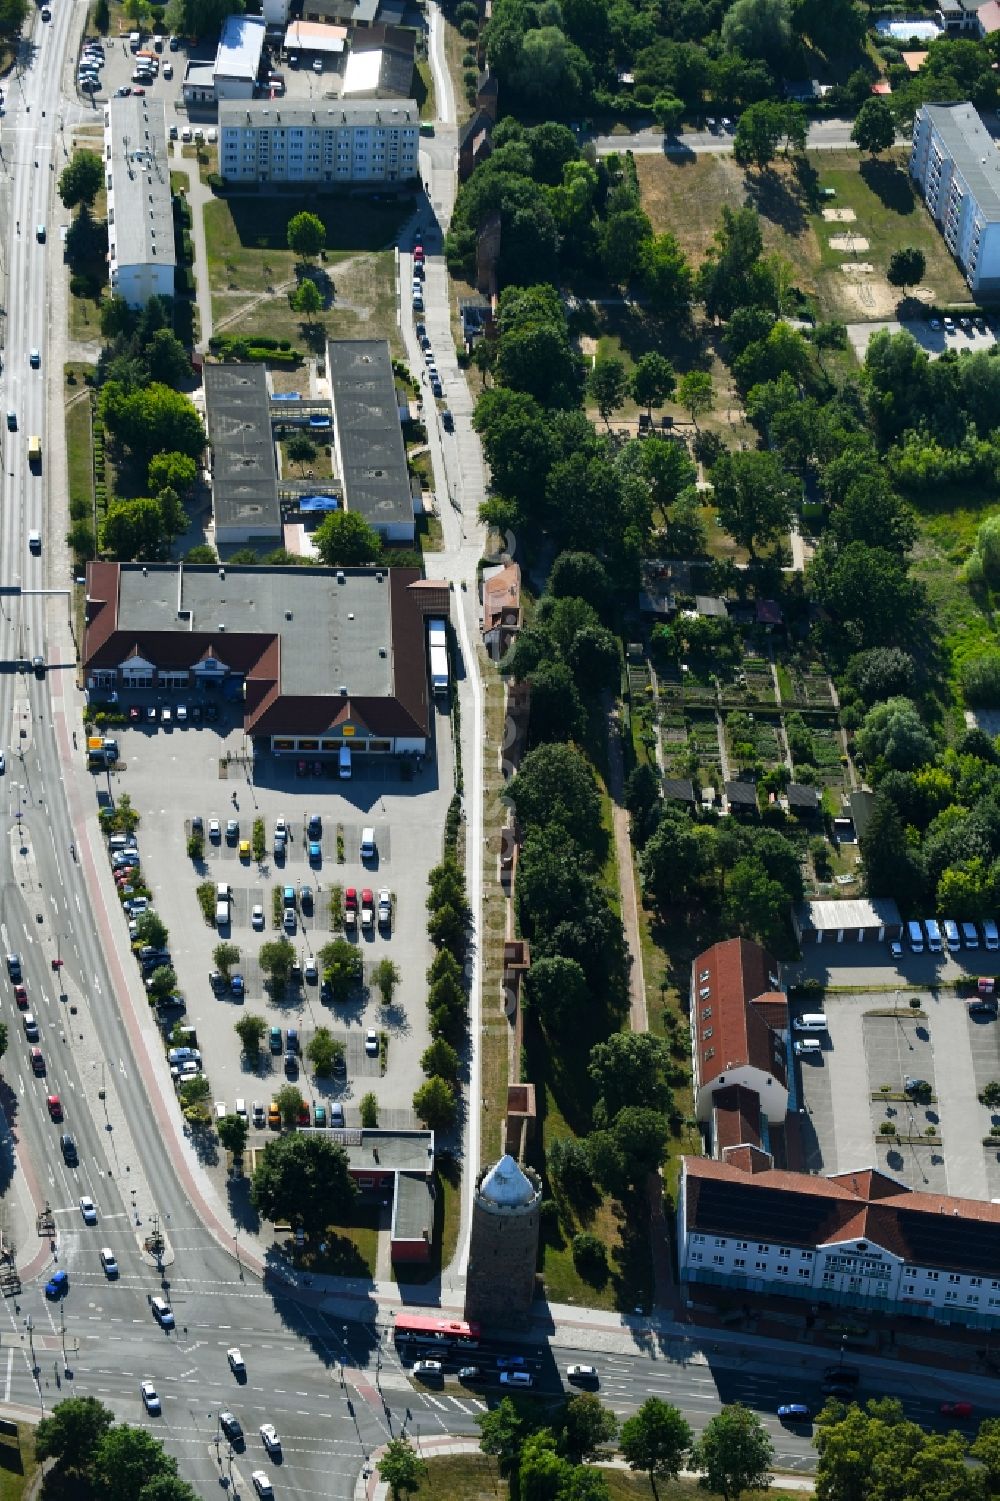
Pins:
x: 424, y: 1330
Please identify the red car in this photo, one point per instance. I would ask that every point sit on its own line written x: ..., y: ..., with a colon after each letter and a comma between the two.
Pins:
x: 351, y: 899
x: 418, y: 252
x: 21, y: 997
x: 303, y: 1114
x: 55, y: 1107
x: 957, y: 1409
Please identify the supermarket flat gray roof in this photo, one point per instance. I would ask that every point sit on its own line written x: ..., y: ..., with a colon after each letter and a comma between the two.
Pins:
x: 143, y: 231
x: 240, y: 47
x: 367, y: 433
x: 413, y: 1210
x: 342, y: 629
x: 244, y: 475
x: 240, y: 113
x: 972, y: 149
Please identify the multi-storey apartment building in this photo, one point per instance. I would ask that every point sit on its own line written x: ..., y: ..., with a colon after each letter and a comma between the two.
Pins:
x: 957, y: 168
x: 344, y: 142
x: 140, y: 218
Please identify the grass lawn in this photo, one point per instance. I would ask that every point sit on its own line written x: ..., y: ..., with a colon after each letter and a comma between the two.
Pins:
x: 473, y: 1477
x: 248, y: 254
x: 318, y: 468
x: 79, y: 444
x: 18, y: 1465
x: 351, y: 1250
x: 423, y: 89
x: 687, y: 197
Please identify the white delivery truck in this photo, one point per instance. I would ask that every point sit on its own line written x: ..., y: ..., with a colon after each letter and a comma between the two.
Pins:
x: 437, y: 642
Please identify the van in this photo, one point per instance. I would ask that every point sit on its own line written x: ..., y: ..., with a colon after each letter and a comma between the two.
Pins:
x: 810, y: 1021
x: 991, y: 937
x: 221, y: 914
x: 933, y: 935
x: 135, y: 40
x: 951, y: 937
x: 223, y: 891
x: 808, y: 1047
x: 915, y: 936
x: 970, y: 935
x: 345, y: 762
x: 367, y: 844
x: 34, y: 449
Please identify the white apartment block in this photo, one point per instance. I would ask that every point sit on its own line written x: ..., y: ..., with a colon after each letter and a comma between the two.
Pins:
x: 366, y: 141
x: 957, y: 168
x: 140, y: 216
x: 854, y: 1240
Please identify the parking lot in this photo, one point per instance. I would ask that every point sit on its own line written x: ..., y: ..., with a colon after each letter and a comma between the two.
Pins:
x: 920, y: 1071
x: 175, y: 774
x: 301, y: 80
x: 934, y: 339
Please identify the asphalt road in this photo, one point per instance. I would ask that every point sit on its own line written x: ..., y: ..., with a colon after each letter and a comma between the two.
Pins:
x: 824, y: 135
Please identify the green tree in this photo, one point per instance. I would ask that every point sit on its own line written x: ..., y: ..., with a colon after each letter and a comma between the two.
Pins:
x: 226, y: 956
x: 893, y: 732
x: 759, y: 28
x: 735, y: 1453
x: 276, y: 959
x: 759, y: 133
x: 323, y: 1050
x: 101, y: 16
x: 70, y: 1435
x: 233, y: 1132
x: 501, y: 1436
x: 151, y: 929
x: 588, y: 1427
x: 400, y: 1467
x: 305, y: 1180
x: 656, y: 1439
x: 696, y: 394
x: 556, y: 992
x: 152, y: 419
x: 441, y: 1061
x: 629, y: 1066
x: 666, y: 276
x: 434, y: 1104
x: 345, y: 540
x: 251, y: 1031
x: 301, y: 449
x: 754, y: 497
x: 986, y: 1449
x: 874, y: 128
x: 290, y: 1103
x: 653, y: 381
x: 555, y: 788
x: 668, y: 112
x: 167, y: 360
x: 126, y: 1459
x: 117, y: 318
x: 134, y: 528
x: 385, y: 978
x: 167, y: 1488
x: 906, y: 267
x: 306, y: 235
x: 542, y: 1473
x: 162, y: 982
x: 606, y: 385
x: 369, y: 1111
x: 342, y: 967
x: 307, y: 299
x: 176, y: 471
x: 81, y: 179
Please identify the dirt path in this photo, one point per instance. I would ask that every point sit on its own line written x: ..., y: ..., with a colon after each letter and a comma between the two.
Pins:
x: 638, y: 1017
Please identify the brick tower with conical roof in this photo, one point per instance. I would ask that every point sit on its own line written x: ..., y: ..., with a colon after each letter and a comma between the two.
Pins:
x: 503, y: 1251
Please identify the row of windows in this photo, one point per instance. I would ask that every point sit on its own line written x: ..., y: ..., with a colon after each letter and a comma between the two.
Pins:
x: 909, y: 1290
x: 721, y: 1242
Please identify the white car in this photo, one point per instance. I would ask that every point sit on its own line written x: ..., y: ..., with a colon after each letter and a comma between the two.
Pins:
x: 88, y: 1210
x: 384, y: 907
x: 371, y: 1042
x: 581, y: 1372
x: 214, y: 830
x: 281, y: 827
x: 234, y: 1354
x: 258, y: 1115
x: 257, y: 918
x: 262, y: 1484
x: 150, y: 1400
x: 182, y: 713
x: 269, y: 1438
x: 432, y: 1369
x: 108, y: 1262
x: 288, y: 920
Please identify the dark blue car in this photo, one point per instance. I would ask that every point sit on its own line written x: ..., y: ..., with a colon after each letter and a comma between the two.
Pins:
x: 57, y: 1284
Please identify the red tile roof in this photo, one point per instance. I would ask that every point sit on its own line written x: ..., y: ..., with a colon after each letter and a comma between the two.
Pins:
x: 736, y: 1117
x: 734, y: 973
x: 926, y: 1229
